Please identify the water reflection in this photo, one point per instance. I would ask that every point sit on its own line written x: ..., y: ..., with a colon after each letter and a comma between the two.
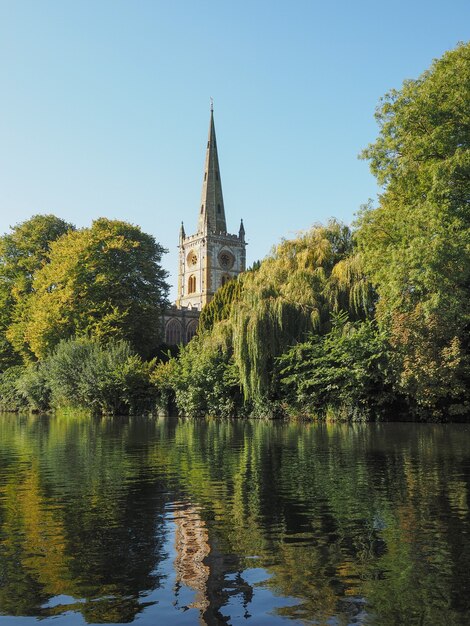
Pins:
x: 217, y: 522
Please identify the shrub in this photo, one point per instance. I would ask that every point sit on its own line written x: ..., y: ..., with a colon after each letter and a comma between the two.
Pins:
x: 10, y: 397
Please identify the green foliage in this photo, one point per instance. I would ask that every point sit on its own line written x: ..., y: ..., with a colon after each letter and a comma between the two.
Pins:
x: 83, y: 374
x: 220, y: 306
x: 105, y: 281
x: 23, y: 252
x: 294, y: 292
x: 204, y: 379
x: 11, y: 399
x: 107, y: 379
x: 344, y: 371
x: 34, y: 387
x: 254, y: 267
x: 416, y: 245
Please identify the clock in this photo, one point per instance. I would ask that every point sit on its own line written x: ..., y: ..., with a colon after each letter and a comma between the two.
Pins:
x: 226, y: 260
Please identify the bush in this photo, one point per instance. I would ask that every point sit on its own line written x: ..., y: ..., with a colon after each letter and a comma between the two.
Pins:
x: 34, y: 387
x: 345, y: 372
x: 203, y: 380
x: 108, y: 379
x: 11, y: 398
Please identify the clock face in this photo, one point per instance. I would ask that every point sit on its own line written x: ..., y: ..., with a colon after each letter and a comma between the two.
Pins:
x: 226, y: 260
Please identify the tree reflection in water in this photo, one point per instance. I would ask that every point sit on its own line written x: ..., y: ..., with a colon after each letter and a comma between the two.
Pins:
x: 215, y: 521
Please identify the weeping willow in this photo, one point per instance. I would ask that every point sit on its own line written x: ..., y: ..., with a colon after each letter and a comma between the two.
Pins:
x: 219, y: 307
x: 252, y: 321
x: 294, y: 292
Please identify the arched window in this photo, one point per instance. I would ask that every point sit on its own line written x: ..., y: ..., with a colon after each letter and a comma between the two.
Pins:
x: 225, y: 279
x: 191, y: 330
x: 173, y: 333
x: 192, y: 284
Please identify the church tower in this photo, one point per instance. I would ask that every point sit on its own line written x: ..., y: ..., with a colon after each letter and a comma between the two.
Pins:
x: 211, y: 256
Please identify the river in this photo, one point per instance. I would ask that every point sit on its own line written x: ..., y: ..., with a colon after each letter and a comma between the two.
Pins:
x: 180, y: 522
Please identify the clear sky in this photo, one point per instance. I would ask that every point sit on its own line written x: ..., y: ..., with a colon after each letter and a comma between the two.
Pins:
x: 104, y: 106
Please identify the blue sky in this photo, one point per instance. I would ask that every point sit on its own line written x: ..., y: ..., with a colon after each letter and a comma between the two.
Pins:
x: 104, y: 106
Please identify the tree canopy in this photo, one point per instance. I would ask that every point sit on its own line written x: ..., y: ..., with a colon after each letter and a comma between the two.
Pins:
x: 104, y: 282
x: 415, y: 245
x: 23, y: 252
x: 252, y: 321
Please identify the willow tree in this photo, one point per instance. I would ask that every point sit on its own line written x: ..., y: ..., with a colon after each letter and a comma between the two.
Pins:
x: 416, y: 244
x: 221, y: 304
x: 231, y: 366
x: 294, y: 292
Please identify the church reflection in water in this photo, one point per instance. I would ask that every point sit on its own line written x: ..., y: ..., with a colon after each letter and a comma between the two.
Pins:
x: 201, y: 566
x: 208, y: 521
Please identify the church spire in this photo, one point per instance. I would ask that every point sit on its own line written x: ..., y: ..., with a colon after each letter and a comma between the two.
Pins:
x: 211, y: 211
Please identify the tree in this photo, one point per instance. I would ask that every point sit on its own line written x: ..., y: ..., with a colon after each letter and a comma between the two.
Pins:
x: 23, y: 251
x: 252, y: 321
x: 344, y: 371
x: 104, y: 282
x: 221, y: 304
x: 294, y: 292
x: 415, y: 246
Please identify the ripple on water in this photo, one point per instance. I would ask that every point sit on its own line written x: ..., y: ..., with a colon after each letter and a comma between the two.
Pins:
x: 180, y: 521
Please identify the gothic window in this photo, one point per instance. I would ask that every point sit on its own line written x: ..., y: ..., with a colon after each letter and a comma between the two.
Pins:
x: 225, y: 279
x: 192, y: 258
x: 218, y: 208
x: 217, y: 176
x: 205, y: 175
x: 202, y: 208
x: 191, y: 330
x: 192, y: 284
x: 173, y: 333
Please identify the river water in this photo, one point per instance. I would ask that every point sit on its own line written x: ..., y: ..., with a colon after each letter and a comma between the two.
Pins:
x: 233, y: 522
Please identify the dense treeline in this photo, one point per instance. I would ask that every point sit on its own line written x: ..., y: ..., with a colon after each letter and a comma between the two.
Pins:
x: 80, y: 321
x: 358, y: 322
x: 364, y: 323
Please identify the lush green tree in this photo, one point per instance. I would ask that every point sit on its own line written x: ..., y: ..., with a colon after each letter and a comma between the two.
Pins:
x: 295, y: 291
x: 82, y: 373
x: 23, y: 251
x: 105, y: 281
x: 11, y: 398
x: 344, y: 372
x: 254, y: 320
x: 416, y: 244
x: 108, y: 379
x: 203, y: 379
x: 220, y: 306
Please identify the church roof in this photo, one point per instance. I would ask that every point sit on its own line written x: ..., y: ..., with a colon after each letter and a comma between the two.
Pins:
x: 211, y: 211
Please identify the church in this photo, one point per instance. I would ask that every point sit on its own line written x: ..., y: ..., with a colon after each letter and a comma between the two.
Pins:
x: 208, y: 258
